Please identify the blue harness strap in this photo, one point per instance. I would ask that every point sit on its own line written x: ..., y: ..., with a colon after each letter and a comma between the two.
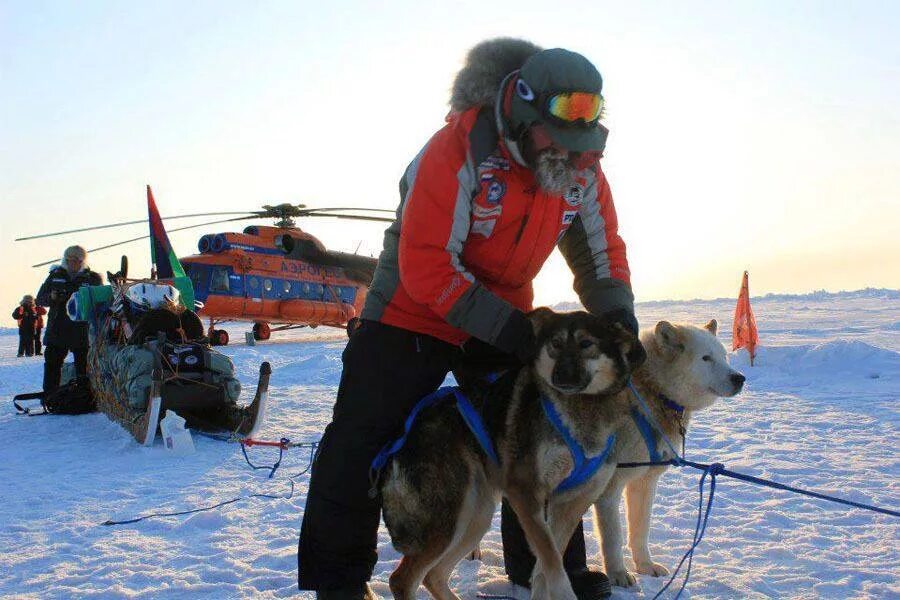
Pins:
x: 584, y: 468
x: 646, y: 430
x: 476, y: 425
x: 468, y: 413
x: 393, y: 448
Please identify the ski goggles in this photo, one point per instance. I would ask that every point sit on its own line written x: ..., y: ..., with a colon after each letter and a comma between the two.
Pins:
x: 569, y: 108
x: 563, y: 108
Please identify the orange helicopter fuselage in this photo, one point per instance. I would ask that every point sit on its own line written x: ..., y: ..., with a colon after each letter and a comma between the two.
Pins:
x: 274, y: 275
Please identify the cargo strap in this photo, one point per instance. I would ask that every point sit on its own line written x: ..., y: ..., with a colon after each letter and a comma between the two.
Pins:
x: 30, y: 410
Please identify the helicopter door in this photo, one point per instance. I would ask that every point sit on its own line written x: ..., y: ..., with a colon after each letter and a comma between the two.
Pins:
x: 253, y: 294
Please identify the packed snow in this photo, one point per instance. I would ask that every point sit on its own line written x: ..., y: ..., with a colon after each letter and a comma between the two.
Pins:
x: 820, y: 410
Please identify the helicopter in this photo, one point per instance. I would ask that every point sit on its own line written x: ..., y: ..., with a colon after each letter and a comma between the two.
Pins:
x: 277, y: 277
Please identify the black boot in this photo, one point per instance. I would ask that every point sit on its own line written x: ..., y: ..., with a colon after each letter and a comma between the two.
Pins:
x: 590, y: 585
x: 587, y: 584
x: 363, y: 592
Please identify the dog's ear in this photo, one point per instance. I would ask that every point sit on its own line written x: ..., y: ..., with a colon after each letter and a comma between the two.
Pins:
x: 712, y: 326
x: 668, y: 338
x: 631, y: 346
x: 539, y: 317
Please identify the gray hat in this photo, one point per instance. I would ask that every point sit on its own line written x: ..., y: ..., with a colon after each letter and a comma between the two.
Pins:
x: 75, y: 252
x: 552, y: 72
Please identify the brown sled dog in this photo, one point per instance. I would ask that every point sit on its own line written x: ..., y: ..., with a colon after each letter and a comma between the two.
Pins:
x: 686, y: 370
x: 441, y: 490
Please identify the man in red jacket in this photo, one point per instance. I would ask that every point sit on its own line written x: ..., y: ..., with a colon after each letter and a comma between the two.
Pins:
x: 513, y: 174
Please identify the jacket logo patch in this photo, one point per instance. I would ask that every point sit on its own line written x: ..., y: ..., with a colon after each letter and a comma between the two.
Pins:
x: 495, y: 191
x: 483, y: 212
x: 574, y: 196
x: 495, y: 162
x: 484, y: 228
x: 569, y: 216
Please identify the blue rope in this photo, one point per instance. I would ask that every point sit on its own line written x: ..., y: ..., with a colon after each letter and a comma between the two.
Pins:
x: 285, y: 443
x: 273, y: 468
x: 699, y: 530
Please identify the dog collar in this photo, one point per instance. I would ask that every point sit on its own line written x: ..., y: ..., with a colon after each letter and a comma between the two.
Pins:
x: 583, y: 468
x: 671, y: 404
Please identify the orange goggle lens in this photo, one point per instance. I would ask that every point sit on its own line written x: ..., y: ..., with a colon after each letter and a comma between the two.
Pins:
x: 573, y: 106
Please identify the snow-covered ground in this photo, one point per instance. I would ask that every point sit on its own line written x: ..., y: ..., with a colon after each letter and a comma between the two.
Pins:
x: 820, y: 410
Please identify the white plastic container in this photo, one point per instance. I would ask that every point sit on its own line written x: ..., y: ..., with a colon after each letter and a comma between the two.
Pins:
x: 176, y: 438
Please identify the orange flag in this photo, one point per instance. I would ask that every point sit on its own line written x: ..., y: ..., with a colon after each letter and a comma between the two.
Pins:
x: 744, y: 332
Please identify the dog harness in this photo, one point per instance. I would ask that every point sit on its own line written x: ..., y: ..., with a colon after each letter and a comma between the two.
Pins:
x: 646, y: 428
x: 583, y: 467
x: 468, y: 413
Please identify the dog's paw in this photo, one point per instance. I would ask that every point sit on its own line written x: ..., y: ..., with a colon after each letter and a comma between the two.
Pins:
x: 652, y: 568
x: 564, y: 593
x: 621, y: 578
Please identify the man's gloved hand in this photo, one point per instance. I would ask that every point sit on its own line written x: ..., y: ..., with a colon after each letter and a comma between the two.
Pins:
x: 624, y: 317
x: 637, y: 355
x: 517, y: 338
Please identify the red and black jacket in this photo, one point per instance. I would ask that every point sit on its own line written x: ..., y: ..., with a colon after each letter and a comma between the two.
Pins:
x: 473, y: 230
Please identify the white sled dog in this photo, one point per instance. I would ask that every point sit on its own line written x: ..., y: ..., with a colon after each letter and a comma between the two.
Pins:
x: 686, y: 370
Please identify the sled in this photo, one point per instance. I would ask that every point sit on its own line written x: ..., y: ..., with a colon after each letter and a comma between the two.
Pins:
x: 203, y: 406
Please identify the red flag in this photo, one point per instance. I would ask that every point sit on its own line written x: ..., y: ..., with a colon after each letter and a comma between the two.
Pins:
x: 744, y: 331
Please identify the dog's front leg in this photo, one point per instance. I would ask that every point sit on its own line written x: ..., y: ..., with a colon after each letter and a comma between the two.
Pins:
x: 639, y: 495
x: 606, y: 513
x: 549, y: 580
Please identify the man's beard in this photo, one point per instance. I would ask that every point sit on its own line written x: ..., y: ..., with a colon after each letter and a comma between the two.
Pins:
x: 554, y: 172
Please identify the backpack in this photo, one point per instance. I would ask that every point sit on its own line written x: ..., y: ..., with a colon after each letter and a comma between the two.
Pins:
x: 72, y: 398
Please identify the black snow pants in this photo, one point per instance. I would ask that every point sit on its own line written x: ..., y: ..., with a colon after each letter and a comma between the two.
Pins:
x: 53, y: 363
x: 387, y: 370
x: 26, y: 342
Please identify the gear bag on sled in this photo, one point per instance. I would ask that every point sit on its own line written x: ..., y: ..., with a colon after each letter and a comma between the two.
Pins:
x: 71, y: 398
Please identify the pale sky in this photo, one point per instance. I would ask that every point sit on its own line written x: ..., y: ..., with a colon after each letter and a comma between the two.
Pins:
x: 744, y: 135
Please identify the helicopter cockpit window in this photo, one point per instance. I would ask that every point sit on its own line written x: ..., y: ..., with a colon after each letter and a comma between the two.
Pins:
x: 219, y: 280
x: 194, y: 272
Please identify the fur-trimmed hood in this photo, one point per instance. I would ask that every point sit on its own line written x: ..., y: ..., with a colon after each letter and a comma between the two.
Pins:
x: 486, y: 65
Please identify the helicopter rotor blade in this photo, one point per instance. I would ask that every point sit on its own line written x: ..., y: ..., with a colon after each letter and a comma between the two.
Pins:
x: 384, y: 210
x: 144, y: 237
x: 354, y: 217
x: 144, y: 220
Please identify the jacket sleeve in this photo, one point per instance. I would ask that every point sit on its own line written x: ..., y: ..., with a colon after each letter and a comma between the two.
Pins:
x: 596, y: 253
x: 43, y: 296
x: 16, y: 314
x: 434, y: 227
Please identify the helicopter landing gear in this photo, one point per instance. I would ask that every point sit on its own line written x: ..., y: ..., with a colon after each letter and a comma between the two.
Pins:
x: 261, y: 331
x: 218, y: 337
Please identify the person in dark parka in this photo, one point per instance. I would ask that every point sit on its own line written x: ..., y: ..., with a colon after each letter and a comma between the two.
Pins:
x: 26, y: 315
x: 64, y: 335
